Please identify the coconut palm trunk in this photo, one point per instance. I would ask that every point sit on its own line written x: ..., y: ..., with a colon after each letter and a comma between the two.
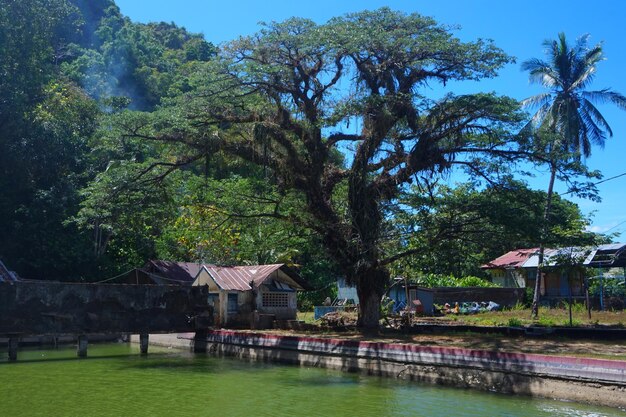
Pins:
x: 544, y: 233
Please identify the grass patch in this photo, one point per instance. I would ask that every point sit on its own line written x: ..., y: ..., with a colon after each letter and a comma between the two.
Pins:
x: 307, y: 316
x: 514, y: 322
x: 548, y: 317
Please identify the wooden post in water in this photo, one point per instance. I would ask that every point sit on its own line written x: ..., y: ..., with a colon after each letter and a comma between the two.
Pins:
x: 200, y: 342
x: 81, y: 350
x: 13, y: 345
x: 143, y: 343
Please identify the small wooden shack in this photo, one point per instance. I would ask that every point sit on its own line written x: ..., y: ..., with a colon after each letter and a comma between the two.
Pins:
x: 241, y: 294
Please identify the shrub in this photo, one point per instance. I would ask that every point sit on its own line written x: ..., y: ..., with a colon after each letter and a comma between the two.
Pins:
x: 438, y: 280
x: 528, y: 296
x: 613, y: 287
x: 546, y: 322
x: 576, y: 307
x: 514, y: 322
x: 519, y: 307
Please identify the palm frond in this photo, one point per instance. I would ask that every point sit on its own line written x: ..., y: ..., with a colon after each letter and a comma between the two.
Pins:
x: 594, y: 55
x: 606, y: 96
x: 540, y: 72
x: 534, y: 64
x: 537, y: 100
x: 583, y: 77
x: 588, y: 109
x: 593, y: 132
x: 539, y: 119
x: 580, y: 47
x: 585, y: 65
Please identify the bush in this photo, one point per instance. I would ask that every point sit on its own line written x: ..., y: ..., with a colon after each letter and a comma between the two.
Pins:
x: 514, y: 322
x: 528, y: 296
x: 612, y: 287
x: 519, y: 307
x: 576, y: 306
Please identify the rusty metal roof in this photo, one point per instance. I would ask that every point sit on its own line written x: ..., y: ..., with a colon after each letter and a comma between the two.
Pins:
x: 234, y: 278
x: 239, y: 278
x: 613, y: 254
x: 512, y: 259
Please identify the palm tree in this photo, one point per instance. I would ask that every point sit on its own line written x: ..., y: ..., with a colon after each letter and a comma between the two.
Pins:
x: 566, y: 113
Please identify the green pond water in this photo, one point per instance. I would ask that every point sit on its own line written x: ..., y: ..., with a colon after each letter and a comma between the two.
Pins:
x: 116, y: 381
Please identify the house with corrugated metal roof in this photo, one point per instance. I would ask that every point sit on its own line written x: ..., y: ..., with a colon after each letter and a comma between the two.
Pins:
x: 506, y: 270
x: 563, y: 268
x: 242, y: 295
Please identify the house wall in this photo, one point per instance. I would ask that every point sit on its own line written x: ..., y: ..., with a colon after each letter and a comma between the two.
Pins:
x: 240, y: 316
x: 556, y: 283
x: 498, y: 276
x: 559, y: 284
x: 346, y: 292
x: 508, y: 278
x: 282, y: 313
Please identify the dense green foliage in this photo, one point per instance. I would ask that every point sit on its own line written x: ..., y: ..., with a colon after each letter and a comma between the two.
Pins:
x: 456, y: 230
x: 64, y: 65
x: 438, y: 280
x: 121, y: 142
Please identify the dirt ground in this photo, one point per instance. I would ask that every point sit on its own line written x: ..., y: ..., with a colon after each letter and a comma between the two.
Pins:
x: 501, y: 343
x: 548, y: 346
x: 615, y: 350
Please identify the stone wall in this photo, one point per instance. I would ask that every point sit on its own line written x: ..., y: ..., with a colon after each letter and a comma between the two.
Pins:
x: 33, y: 308
x: 593, y: 381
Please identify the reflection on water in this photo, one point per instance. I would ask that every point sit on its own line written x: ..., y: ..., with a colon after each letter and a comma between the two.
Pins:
x: 115, y: 380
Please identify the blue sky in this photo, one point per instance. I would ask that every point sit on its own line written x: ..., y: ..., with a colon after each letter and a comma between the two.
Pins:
x: 518, y: 27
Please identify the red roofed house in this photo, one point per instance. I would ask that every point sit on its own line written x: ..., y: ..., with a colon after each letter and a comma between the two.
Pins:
x: 507, y: 271
x: 563, y: 268
x: 238, y: 291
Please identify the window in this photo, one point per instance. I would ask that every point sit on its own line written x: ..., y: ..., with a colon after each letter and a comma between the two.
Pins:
x: 232, y: 303
x: 275, y: 299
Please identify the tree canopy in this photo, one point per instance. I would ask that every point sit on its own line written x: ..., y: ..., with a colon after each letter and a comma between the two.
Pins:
x: 282, y: 98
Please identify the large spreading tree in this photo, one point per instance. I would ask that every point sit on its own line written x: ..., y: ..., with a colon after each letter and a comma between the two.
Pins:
x: 297, y: 95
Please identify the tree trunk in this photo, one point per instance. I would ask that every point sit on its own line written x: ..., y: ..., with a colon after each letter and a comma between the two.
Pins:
x: 542, y: 238
x: 369, y: 311
x: 370, y: 288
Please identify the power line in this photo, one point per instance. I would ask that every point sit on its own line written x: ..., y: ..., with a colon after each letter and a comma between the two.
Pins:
x: 618, y: 224
x: 599, y: 182
x: 115, y: 277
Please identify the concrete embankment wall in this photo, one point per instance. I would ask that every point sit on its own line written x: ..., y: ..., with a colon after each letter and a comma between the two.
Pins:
x: 594, y: 381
